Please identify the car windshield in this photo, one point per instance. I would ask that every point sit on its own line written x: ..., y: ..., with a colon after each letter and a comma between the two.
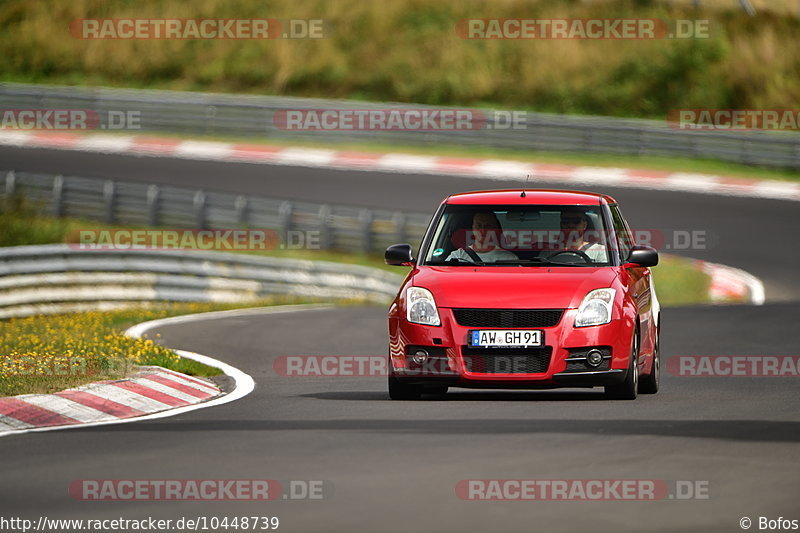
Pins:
x: 528, y: 235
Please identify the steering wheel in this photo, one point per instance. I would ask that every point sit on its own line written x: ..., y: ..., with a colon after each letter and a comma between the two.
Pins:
x: 579, y: 253
x: 467, y: 259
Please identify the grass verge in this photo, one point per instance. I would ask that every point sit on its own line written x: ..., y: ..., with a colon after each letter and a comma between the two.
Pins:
x: 410, y: 51
x: 44, y: 354
x: 679, y: 282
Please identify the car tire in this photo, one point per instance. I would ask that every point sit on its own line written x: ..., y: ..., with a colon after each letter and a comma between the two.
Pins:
x: 649, y: 383
x: 627, y: 390
x: 403, y: 391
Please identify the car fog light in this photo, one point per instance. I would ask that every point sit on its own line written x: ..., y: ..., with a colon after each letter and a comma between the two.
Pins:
x: 420, y: 356
x: 594, y: 358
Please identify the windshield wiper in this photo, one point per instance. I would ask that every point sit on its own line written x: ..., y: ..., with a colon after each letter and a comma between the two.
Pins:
x: 507, y: 262
x: 539, y: 261
x: 456, y: 261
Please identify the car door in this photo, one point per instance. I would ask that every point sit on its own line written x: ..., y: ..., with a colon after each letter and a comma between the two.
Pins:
x: 638, y: 279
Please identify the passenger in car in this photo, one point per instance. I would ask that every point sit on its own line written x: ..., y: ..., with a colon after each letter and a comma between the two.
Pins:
x: 574, y: 224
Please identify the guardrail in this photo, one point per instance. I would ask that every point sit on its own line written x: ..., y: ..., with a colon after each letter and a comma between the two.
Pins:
x: 333, y: 227
x: 57, y: 279
x: 253, y: 116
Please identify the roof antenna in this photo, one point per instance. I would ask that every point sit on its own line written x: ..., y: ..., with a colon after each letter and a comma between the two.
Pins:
x: 525, y: 186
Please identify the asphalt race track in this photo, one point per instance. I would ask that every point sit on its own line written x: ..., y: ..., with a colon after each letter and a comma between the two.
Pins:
x: 394, y: 466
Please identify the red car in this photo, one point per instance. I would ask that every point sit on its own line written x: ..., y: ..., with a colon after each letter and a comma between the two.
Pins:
x: 525, y: 289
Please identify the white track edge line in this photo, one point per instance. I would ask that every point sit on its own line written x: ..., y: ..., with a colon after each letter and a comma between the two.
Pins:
x: 138, y: 330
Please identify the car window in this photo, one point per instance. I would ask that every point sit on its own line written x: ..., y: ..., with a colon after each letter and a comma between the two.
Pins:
x: 517, y: 235
x: 624, y: 239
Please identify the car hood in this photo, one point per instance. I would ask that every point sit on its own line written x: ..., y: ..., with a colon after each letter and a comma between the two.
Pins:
x: 512, y: 287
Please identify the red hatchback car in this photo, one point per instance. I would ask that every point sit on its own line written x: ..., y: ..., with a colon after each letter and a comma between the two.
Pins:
x: 525, y: 289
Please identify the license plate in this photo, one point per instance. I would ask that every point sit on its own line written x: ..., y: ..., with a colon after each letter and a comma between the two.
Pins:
x: 506, y: 337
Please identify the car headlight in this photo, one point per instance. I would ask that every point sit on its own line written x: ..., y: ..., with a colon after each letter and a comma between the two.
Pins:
x: 595, y: 308
x: 421, y: 307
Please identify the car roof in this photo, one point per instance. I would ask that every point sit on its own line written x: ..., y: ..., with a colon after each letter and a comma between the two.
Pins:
x: 532, y: 197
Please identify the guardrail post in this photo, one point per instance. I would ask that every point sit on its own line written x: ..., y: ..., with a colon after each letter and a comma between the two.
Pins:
x: 153, y: 197
x: 641, y: 142
x: 325, y: 230
x: 58, y: 196
x: 11, y: 189
x: 200, y: 209
x: 399, y: 220
x: 210, y: 120
x: 745, y: 157
x: 109, y: 199
x: 241, y: 206
x: 285, y: 220
x: 797, y: 156
x: 365, y: 221
x: 586, y: 139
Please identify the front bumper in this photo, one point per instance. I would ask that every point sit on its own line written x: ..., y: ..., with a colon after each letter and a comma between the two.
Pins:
x: 560, y: 362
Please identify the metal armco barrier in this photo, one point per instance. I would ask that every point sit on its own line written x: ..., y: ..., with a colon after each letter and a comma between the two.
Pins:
x: 254, y: 116
x: 299, y: 224
x: 56, y: 278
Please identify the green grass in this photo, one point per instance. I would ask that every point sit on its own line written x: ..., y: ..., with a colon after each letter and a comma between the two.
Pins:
x: 408, y: 51
x: 49, y: 353
x: 679, y: 282
x: 21, y: 225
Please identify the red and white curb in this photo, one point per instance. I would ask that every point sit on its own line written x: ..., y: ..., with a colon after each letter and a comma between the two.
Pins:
x: 150, y: 390
x: 405, y: 163
x: 729, y: 284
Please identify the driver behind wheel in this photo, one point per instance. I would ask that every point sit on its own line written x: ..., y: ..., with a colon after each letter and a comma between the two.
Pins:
x: 573, y: 225
x: 485, y: 246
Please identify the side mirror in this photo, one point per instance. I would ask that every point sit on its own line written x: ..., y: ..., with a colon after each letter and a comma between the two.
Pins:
x: 398, y: 255
x: 641, y: 256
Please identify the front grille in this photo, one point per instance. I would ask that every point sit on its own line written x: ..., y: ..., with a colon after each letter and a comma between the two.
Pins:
x: 508, y: 318
x: 506, y: 360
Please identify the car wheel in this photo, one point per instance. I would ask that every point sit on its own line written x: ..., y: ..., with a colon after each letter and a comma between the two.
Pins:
x: 649, y: 383
x: 403, y: 391
x: 627, y: 389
